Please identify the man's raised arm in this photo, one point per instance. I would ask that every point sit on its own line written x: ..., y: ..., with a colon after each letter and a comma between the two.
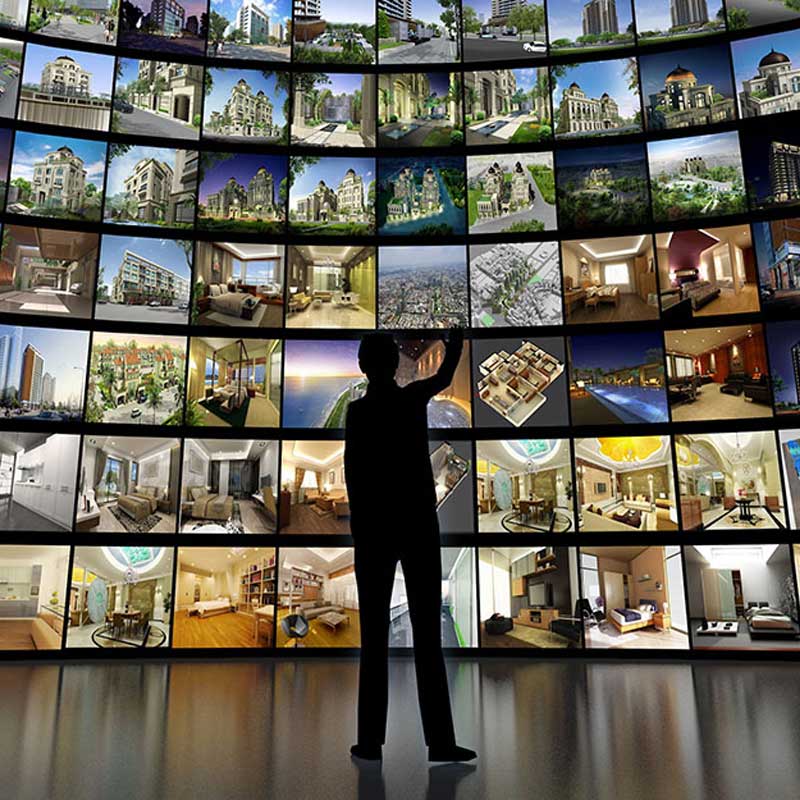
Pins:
x: 454, y: 344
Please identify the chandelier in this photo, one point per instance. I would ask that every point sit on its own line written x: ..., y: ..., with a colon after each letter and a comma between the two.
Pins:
x: 738, y: 455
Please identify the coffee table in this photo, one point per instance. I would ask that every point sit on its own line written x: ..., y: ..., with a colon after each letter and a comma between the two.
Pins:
x: 333, y: 619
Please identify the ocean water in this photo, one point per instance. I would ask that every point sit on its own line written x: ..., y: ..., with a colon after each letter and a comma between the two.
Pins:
x: 308, y: 401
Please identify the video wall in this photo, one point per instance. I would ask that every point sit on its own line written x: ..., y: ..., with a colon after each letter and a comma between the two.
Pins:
x: 206, y: 205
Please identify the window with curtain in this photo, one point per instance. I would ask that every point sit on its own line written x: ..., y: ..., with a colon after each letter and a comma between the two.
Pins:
x: 212, y: 372
x: 675, y: 592
x: 113, y: 474
x: 617, y: 274
x: 590, y: 578
x: 255, y: 272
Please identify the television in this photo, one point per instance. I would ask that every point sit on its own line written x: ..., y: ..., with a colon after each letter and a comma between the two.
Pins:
x: 540, y: 595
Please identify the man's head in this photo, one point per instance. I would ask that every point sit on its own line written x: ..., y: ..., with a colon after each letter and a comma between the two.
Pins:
x: 378, y: 357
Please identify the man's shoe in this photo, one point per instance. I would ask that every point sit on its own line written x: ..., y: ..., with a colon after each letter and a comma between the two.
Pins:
x: 367, y: 752
x: 451, y: 753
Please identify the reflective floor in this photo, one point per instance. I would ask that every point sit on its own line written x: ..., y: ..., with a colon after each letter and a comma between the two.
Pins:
x: 281, y: 729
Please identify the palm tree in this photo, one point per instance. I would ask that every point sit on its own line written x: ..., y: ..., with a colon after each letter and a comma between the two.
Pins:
x: 153, y: 393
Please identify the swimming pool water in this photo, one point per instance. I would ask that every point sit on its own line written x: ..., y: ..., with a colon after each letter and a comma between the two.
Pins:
x: 633, y: 403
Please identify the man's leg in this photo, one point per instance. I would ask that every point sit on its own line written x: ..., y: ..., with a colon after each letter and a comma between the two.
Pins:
x: 374, y: 569
x: 422, y: 568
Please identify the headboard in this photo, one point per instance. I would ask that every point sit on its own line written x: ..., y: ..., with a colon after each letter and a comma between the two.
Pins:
x: 652, y: 603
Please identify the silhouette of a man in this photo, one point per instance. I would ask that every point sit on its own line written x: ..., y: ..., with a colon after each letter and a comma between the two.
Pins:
x: 393, y: 518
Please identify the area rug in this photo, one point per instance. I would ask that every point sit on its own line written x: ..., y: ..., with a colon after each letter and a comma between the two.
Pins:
x: 536, y: 637
x: 235, y: 418
x: 131, y: 525
x: 514, y: 523
x: 608, y: 636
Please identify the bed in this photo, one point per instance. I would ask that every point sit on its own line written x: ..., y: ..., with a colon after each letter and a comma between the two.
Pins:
x: 209, y: 506
x: 604, y: 294
x: 770, y: 623
x: 207, y: 608
x: 140, y: 503
x: 631, y: 619
x: 224, y: 301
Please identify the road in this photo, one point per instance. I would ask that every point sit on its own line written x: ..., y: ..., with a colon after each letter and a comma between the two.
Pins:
x: 119, y: 312
x: 260, y: 52
x: 161, y: 44
x: 540, y: 210
x: 123, y: 413
x: 498, y: 49
x: 67, y: 27
x: 148, y: 123
x: 8, y: 102
x: 437, y: 50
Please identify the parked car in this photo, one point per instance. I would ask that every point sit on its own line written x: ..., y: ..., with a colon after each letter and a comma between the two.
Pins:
x: 136, y: 412
x: 154, y: 304
x: 122, y: 105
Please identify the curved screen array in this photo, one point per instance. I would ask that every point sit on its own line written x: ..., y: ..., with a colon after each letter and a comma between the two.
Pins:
x: 206, y: 205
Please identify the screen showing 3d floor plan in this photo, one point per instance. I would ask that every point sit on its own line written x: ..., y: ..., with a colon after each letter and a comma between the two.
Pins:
x: 513, y: 377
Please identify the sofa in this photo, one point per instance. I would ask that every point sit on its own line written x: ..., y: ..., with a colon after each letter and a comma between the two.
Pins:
x: 341, y: 508
x: 300, y: 301
x: 568, y: 627
x: 316, y: 608
x: 44, y: 630
x: 758, y: 390
x: 734, y: 383
x: 638, y: 503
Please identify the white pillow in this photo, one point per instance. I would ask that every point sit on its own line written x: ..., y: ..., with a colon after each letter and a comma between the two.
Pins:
x: 223, y: 288
x: 213, y: 290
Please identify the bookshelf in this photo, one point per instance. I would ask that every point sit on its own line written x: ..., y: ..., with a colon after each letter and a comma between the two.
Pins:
x: 301, y: 585
x: 257, y: 583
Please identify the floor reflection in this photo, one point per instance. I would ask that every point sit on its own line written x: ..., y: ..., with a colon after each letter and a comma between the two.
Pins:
x: 282, y: 729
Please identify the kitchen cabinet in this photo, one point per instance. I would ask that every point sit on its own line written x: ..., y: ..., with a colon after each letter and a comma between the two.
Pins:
x: 11, y: 608
x: 51, y: 472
